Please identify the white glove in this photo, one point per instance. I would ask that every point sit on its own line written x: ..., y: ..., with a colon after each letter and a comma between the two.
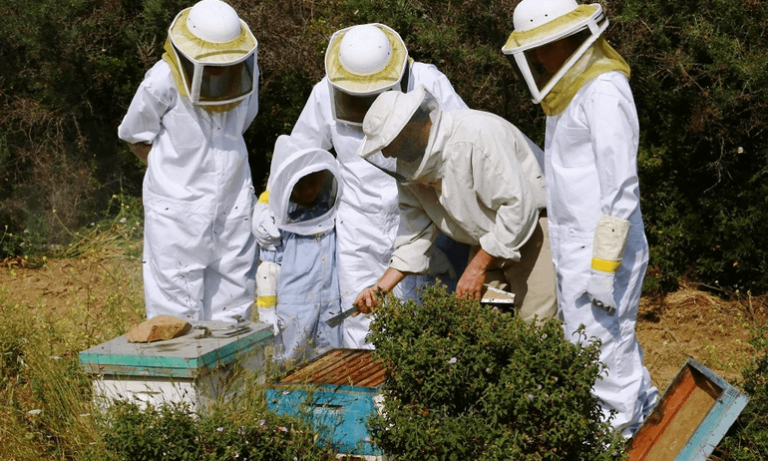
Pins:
x: 264, y: 229
x: 268, y: 315
x: 600, y: 291
x: 266, y: 289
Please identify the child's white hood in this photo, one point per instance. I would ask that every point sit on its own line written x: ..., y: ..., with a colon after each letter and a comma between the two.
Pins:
x: 290, y: 163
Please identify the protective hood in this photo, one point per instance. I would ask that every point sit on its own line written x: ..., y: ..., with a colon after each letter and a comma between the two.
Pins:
x: 296, y: 171
x: 361, y: 62
x: 212, y: 55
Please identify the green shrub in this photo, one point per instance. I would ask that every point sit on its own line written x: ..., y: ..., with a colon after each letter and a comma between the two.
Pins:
x: 466, y: 381
x: 700, y: 69
x: 168, y: 432
x: 174, y: 432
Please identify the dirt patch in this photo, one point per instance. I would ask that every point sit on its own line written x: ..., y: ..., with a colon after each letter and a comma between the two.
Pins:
x: 688, y: 323
x: 694, y: 323
x: 84, y: 300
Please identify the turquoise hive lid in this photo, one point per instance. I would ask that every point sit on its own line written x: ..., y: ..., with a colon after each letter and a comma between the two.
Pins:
x: 206, y: 346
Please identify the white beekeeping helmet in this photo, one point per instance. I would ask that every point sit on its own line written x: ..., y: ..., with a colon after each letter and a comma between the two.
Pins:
x: 291, y: 162
x: 214, y: 53
x: 541, y: 22
x: 361, y: 62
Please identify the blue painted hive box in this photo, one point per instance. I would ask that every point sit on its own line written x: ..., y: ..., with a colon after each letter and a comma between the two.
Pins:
x: 197, y: 367
x: 690, y: 419
x: 338, y: 391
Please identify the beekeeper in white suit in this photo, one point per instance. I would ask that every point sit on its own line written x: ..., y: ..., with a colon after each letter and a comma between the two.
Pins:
x: 360, y: 62
x: 590, y: 164
x: 186, y: 122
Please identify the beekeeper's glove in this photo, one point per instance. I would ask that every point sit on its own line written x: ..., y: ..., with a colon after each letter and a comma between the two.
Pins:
x: 608, y: 250
x: 264, y: 229
x: 266, y: 292
x: 600, y: 291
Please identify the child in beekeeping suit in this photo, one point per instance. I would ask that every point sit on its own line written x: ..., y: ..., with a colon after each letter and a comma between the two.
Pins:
x: 304, y: 289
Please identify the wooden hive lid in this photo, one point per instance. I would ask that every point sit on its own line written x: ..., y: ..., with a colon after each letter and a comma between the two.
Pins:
x: 340, y: 367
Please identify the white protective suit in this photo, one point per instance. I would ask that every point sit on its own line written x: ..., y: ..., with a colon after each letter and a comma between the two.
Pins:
x: 199, y: 252
x: 591, y: 170
x: 480, y: 183
x: 368, y: 216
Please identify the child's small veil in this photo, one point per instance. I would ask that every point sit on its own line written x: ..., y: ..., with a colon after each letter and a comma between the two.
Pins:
x: 290, y: 162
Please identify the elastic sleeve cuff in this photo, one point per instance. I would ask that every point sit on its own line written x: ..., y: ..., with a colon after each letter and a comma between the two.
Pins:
x: 264, y: 302
x: 604, y: 265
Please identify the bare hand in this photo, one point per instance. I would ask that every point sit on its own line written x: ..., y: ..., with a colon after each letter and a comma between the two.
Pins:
x: 366, y: 301
x: 471, y: 283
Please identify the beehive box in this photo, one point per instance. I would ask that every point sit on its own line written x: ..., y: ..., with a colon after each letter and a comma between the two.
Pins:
x: 195, y: 368
x: 338, y: 391
x: 689, y: 420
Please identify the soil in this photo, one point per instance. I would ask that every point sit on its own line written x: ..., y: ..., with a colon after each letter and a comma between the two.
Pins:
x: 687, y: 323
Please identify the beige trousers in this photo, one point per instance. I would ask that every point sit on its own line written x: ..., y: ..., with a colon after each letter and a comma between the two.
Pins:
x: 532, y: 279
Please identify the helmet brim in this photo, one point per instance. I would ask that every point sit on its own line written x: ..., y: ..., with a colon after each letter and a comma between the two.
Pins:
x: 356, y: 84
x: 201, y: 51
x: 556, y: 29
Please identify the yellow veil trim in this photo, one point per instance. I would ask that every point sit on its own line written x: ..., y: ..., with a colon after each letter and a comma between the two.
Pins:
x: 598, y: 59
x: 578, y: 16
x: 366, y: 84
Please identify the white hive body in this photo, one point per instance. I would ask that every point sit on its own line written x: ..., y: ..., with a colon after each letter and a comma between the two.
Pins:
x: 196, y: 368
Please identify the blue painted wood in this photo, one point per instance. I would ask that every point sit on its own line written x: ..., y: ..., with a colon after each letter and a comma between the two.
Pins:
x: 182, y: 357
x: 338, y: 413
x: 721, y: 416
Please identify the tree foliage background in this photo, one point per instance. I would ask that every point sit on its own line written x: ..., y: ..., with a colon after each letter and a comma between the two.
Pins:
x: 700, y: 77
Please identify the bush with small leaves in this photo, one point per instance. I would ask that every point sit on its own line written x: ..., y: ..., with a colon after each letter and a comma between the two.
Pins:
x: 227, y: 431
x: 466, y: 381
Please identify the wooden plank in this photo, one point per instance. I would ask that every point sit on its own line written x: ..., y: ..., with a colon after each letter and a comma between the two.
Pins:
x: 375, y: 380
x: 325, y: 365
x: 720, y: 418
x: 336, y: 371
x: 343, y: 373
x: 687, y: 418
